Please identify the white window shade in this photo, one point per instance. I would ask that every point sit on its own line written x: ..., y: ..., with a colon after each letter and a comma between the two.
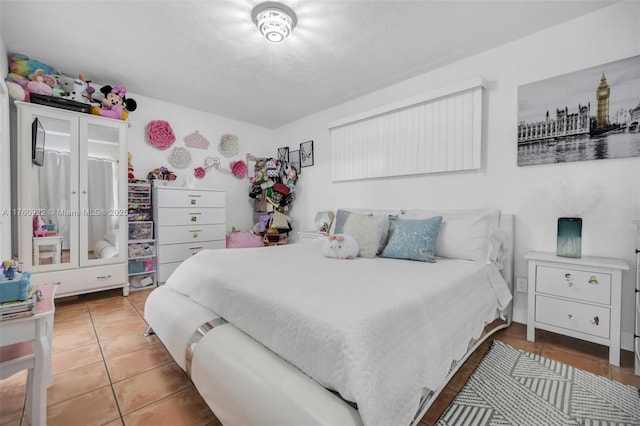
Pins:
x: 431, y: 133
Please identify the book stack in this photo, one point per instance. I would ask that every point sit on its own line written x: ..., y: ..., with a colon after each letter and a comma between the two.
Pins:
x: 19, y: 308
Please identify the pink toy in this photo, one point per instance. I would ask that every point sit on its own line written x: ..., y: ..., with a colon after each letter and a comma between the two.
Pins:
x: 340, y: 247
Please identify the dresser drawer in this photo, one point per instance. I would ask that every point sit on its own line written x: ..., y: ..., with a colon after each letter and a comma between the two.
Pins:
x: 165, y: 270
x: 189, y: 216
x: 190, y: 234
x: 588, y: 319
x: 84, y: 280
x: 181, y: 197
x: 575, y: 284
x: 180, y: 252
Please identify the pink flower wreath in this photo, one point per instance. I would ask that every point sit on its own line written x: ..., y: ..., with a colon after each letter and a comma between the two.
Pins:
x: 160, y: 134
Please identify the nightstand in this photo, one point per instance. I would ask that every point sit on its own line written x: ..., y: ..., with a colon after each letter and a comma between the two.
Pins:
x: 309, y: 236
x: 580, y: 298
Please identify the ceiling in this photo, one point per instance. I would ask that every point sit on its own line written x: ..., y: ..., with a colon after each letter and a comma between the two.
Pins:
x: 209, y: 56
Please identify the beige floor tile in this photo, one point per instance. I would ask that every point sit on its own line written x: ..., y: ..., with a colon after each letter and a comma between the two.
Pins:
x: 110, y: 317
x: 113, y: 330
x: 12, y: 422
x: 109, y: 304
x: 12, y: 394
x: 120, y: 345
x: 185, y: 408
x: 91, y: 409
x: 72, y: 337
x: 74, y: 358
x: 72, y: 312
x: 76, y: 382
x: 135, y: 362
x: 143, y: 389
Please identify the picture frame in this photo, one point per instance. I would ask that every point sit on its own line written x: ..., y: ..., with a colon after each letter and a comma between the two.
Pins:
x: 306, y: 154
x: 294, y: 160
x: 283, y: 154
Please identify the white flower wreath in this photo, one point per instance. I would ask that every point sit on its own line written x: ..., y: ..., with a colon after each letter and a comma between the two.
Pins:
x: 228, y: 145
x: 180, y: 158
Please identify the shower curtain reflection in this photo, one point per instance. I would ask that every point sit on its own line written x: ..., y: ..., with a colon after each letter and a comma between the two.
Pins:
x: 52, y: 195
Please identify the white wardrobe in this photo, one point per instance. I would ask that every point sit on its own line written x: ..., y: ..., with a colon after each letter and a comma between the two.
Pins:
x: 71, y: 199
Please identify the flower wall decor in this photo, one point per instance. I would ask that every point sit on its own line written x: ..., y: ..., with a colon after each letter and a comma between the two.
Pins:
x: 160, y: 134
x: 238, y: 168
x: 209, y: 163
x: 180, y: 158
x: 199, y: 172
x: 196, y: 140
x: 228, y: 145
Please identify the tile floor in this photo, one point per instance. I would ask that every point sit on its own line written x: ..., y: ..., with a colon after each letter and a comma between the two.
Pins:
x: 108, y: 373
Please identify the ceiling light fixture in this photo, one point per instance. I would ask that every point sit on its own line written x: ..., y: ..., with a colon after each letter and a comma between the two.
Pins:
x: 274, y: 20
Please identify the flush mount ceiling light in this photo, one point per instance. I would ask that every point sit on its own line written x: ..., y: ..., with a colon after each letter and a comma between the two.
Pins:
x: 274, y: 20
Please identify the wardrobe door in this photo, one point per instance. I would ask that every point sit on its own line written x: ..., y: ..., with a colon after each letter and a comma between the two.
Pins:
x: 47, y: 207
x: 103, y: 168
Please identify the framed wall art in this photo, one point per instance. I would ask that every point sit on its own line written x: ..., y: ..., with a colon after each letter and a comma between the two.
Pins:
x: 283, y: 154
x: 306, y: 154
x: 591, y: 114
x: 294, y: 160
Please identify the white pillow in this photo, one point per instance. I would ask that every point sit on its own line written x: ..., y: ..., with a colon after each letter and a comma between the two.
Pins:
x: 370, y: 231
x: 466, y: 234
x: 112, y: 236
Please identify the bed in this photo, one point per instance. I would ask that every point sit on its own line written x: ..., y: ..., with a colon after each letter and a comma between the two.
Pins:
x: 283, y: 335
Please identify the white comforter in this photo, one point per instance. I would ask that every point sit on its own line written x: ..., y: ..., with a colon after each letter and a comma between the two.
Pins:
x: 378, y: 331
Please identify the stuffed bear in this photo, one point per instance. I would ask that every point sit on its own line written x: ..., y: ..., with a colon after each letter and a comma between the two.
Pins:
x: 340, y: 246
x: 114, y: 103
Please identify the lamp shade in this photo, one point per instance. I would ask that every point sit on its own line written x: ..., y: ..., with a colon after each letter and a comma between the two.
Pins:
x: 274, y: 20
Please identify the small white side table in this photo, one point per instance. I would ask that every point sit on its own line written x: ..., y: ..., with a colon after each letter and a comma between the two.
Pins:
x: 309, y: 236
x: 55, y: 253
x: 580, y: 298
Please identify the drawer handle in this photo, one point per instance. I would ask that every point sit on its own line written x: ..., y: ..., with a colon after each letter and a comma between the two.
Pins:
x: 593, y: 280
x: 194, y: 218
x: 194, y: 235
x: 103, y: 277
x: 595, y: 321
x: 568, y: 279
x: 195, y: 250
x: 569, y: 316
x: 193, y: 201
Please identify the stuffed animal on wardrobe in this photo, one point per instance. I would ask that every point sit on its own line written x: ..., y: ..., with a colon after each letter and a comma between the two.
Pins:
x: 340, y: 246
x: 115, y: 104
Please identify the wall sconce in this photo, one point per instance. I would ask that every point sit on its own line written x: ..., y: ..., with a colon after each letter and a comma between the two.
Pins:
x: 274, y: 20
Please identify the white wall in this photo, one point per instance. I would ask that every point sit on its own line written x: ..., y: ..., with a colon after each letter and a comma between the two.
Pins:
x: 535, y: 194
x: 251, y: 139
x: 5, y: 175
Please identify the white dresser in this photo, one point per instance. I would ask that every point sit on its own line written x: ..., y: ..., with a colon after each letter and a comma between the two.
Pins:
x: 636, y: 340
x: 186, y: 221
x: 580, y: 298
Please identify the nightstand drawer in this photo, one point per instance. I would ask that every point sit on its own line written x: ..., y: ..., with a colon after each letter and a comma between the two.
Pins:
x: 592, y: 320
x: 574, y: 284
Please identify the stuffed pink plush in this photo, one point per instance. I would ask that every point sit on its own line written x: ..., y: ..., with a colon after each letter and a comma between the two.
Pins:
x: 340, y: 247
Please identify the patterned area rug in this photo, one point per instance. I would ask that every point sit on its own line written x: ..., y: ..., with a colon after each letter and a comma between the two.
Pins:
x: 513, y: 387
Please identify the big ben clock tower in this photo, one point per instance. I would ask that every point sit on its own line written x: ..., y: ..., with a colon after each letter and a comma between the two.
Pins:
x: 602, y: 94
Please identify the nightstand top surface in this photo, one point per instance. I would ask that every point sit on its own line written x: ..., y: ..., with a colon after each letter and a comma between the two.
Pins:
x: 603, y: 262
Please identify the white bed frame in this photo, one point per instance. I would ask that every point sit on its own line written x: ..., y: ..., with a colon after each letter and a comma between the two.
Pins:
x: 244, y: 383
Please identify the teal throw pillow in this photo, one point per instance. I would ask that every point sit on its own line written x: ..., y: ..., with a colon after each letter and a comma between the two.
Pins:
x: 412, y: 239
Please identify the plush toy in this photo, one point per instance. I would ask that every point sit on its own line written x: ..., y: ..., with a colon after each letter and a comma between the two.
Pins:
x: 340, y: 246
x: 114, y: 103
x: 22, y: 65
x: 41, y: 83
x: 130, y: 176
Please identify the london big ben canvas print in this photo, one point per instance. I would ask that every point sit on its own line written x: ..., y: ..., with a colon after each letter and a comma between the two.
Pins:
x: 591, y: 114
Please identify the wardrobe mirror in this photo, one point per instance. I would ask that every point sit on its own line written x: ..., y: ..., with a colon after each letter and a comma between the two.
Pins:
x: 50, y: 194
x: 102, y: 193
